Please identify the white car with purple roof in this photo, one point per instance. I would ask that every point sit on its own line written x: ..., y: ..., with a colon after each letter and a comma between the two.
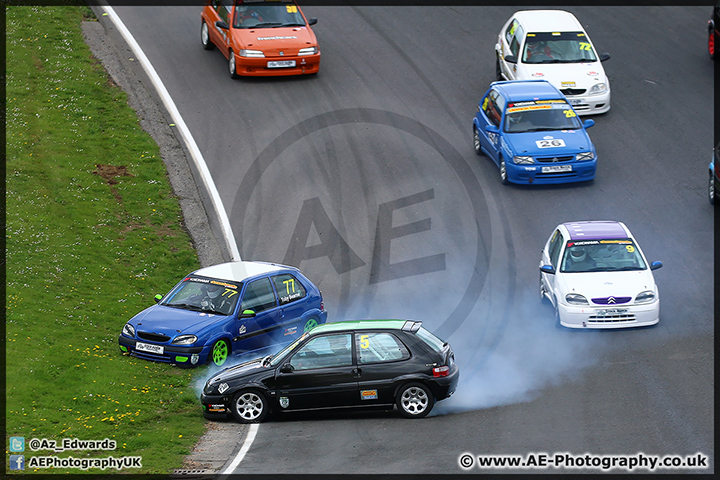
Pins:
x: 596, y: 276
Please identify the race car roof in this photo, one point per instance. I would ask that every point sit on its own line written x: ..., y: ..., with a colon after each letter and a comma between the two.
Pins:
x: 596, y: 230
x: 239, y: 271
x: 364, y: 325
x: 548, y: 21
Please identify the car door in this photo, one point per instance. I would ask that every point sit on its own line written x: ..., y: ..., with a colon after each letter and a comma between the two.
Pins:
x: 219, y: 10
x: 293, y: 299
x: 490, y: 114
x: 321, y: 373
x: 511, y: 40
x: 551, y: 256
x: 259, y: 317
x: 381, y: 358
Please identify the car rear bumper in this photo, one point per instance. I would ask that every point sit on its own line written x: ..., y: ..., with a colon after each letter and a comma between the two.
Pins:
x: 304, y: 65
x: 594, y: 316
x: 444, y: 387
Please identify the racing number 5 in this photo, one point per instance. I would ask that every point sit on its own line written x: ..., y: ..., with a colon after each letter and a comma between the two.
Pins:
x: 364, y: 341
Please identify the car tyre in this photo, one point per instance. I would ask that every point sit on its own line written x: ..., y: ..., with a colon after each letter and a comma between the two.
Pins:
x: 205, y: 37
x: 543, y: 292
x: 232, y: 67
x: 414, y: 400
x: 556, y: 314
x: 498, y: 70
x: 220, y: 352
x: 712, y: 193
x: 476, y: 141
x: 249, y: 406
x: 503, y: 172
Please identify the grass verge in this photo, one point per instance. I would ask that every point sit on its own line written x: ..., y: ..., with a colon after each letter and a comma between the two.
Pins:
x: 93, y: 231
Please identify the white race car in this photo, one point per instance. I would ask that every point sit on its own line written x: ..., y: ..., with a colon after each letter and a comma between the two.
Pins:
x: 596, y: 276
x: 552, y: 45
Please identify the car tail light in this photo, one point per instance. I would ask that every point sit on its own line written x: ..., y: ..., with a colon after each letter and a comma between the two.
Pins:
x: 441, y: 371
x: 322, y: 306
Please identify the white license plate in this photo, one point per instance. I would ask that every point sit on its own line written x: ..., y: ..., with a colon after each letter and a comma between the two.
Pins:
x: 281, y: 64
x: 146, y: 347
x: 575, y: 101
x: 557, y: 169
x: 611, y: 311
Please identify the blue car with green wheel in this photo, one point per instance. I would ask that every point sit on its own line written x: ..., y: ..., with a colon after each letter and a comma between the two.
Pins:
x: 532, y: 133
x: 225, y: 310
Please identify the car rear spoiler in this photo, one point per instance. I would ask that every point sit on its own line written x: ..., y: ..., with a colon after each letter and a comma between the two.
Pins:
x: 412, y: 326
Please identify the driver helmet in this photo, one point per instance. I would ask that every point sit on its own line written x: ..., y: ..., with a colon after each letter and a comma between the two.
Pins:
x: 578, y: 254
x: 214, y: 291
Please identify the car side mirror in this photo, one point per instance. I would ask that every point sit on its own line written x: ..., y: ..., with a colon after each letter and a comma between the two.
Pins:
x: 588, y: 123
x: 510, y: 58
x: 286, y: 368
x: 549, y: 269
x: 247, y: 313
x: 492, y: 129
x: 655, y: 265
x: 222, y: 24
x: 312, y: 21
x: 158, y: 297
x: 604, y: 56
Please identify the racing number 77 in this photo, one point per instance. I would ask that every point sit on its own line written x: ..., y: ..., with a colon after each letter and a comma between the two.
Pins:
x: 288, y: 283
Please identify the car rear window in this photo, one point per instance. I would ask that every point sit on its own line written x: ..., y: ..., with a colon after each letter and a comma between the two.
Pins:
x: 430, y: 339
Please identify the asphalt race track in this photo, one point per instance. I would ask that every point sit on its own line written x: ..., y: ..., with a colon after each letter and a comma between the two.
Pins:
x: 364, y: 176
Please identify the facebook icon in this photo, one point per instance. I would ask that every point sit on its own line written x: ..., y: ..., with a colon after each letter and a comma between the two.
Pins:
x: 17, y: 462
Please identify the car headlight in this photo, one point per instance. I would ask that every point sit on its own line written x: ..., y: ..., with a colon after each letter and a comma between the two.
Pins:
x: 584, y: 156
x: 598, y: 88
x: 645, y: 297
x: 523, y: 159
x: 308, y: 51
x: 128, y: 330
x: 576, y: 299
x: 184, y: 340
x: 251, y: 53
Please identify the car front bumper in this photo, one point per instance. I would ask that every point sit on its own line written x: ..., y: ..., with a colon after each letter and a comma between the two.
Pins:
x: 250, y: 66
x: 618, y: 316
x: 533, y: 174
x: 190, y: 356
x: 590, y: 104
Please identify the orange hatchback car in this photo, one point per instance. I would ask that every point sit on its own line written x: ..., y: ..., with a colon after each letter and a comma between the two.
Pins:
x: 261, y: 37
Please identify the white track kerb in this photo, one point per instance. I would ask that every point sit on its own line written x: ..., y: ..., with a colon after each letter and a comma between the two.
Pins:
x: 204, y: 174
x: 184, y: 133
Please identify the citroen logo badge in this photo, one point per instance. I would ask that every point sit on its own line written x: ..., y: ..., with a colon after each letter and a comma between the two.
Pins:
x: 611, y: 300
x: 282, y: 53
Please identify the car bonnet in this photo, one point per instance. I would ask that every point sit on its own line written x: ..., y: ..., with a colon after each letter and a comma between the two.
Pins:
x: 605, y: 284
x: 576, y: 141
x: 272, y: 41
x: 564, y: 75
x: 168, y: 320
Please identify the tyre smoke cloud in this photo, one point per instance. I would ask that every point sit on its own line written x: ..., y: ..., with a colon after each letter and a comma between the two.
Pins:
x: 530, y: 354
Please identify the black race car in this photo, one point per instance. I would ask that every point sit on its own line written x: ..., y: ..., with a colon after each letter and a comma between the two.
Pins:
x: 343, y: 364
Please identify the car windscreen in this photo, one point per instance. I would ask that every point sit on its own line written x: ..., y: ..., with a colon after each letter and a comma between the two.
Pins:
x: 610, y: 255
x: 285, y: 352
x: 430, y: 339
x: 557, y: 47
x: 261, y: 14
x: 540, y: 115
x: 203, y: 294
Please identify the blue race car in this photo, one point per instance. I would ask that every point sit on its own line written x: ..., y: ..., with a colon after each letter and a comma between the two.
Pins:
x: 227, y: 309
x: 533, y: 134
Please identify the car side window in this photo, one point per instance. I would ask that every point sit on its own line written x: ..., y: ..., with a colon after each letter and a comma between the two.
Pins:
x: 379, y: 347
x: 513, y: 35
x: 555, y: 244
x: 258, y: 296
x: 288, y: 288
x: 490, y: 107
x: 224, y: 7
x: 324, y: 351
